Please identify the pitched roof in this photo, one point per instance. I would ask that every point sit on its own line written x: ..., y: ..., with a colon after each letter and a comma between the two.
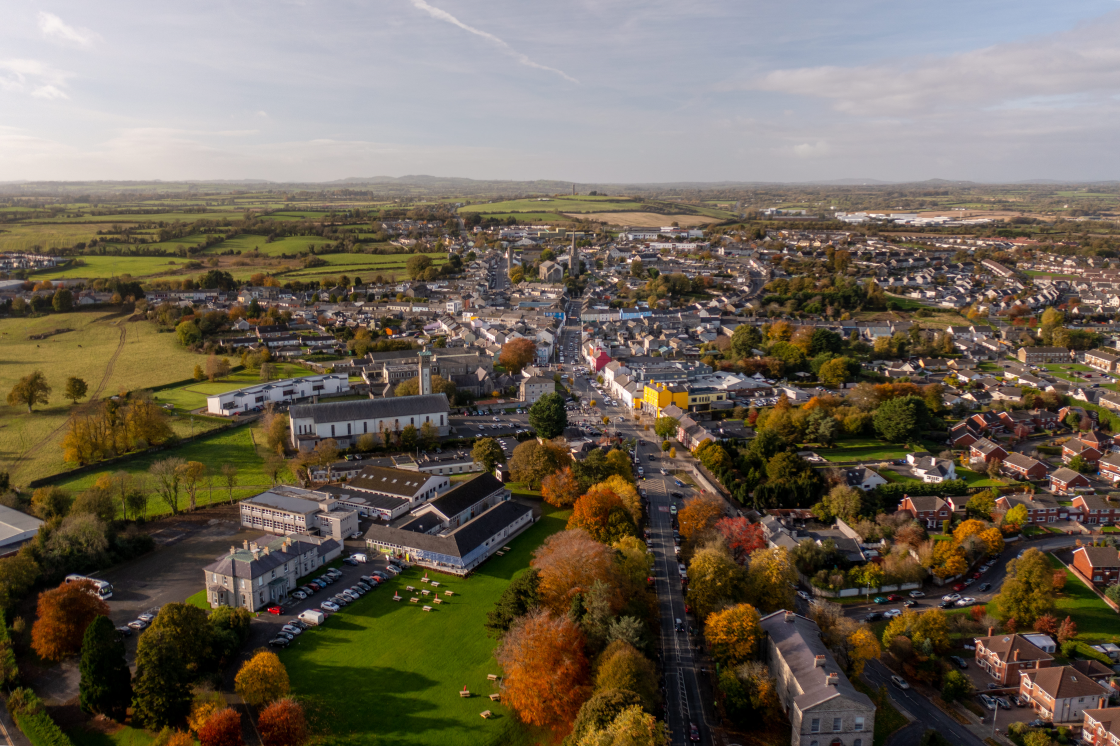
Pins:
x: 369, y: 409
x: 1004, y: 646
x: 1065, y: 476
x: 460, y: 542
x: 1100, y: 556
x: 455, y: 501
x: 1065, y: 681
x: 1022, y: 461
x: 391, y: 481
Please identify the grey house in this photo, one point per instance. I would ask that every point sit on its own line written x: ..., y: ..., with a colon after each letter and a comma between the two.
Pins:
x: 261, y: 574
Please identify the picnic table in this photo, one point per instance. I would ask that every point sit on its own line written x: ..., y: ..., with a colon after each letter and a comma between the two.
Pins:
x: 427, y: 608
x: 414, y: 600
x: 464, y: 692
x: 486, y: 714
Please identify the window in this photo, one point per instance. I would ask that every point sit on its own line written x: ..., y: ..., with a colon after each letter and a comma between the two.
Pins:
x: 837, y: 724
x: 857, y: 742
x: 859, y: 724
x: 815, y: 726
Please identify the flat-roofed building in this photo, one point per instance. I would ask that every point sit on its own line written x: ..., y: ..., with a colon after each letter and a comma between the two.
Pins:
x: 288, y: 510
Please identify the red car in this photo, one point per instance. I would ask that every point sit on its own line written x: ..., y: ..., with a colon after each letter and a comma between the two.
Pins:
x: 274, y: 609
x: 958, y: 587
x: 976, y: 575
x: 894, y: 597
x: 687, y: 609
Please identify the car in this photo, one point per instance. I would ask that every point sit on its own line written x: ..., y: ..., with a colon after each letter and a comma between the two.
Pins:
x: 350, y: 561
x: 1019, y: 700
x: 968, y: 582
x: 329, y: 606
x: 1003, y: 703
x: 274, y: 609
x: 279, y: 642
x: 1036, y: 723
x: 988, y: 702
x: 916, y: 594
x: 679, y: 482
x: 339, y: 600
x: 679, y: 627
x: 959, y: 661
x: 899, y: 682
x: 958, y: 587
x: 984, y: 587
x: 803, y: 595
x: 966, y: 601
x: 291, y: 629
x: 650, y: 456
x: 894, y: 597
x: 693, y: 732
x: 365, y: 588
x: 308, y: 589
x: 124, y: 630
x: 892, y: 613
x: 952, y: 597
x: 287, y: 635
x: 687, y: 609
x: 672, y: 509
x: 147, y: 617
x: 677, y: 495
x: 909, y: 603
x: 947, y: 604
x: 880, y: 599
x: 299, y: 595
x: 300, y: 623
x: 992, y: 685
x: 325, y: 580
x: 873, y: 616
x: 976, y: 575
x: 334, y: 572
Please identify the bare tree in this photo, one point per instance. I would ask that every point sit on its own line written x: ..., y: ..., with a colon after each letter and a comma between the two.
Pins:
x: 167, y: 474
x: 229, y: 476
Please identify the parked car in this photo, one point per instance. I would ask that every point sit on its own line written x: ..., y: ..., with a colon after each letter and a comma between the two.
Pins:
x: 1019, y: 700
x: 279, y: 642
x: 984, y: 587
x: 275, y: 609
x: 988, y: 702
x: 880, y: 599
x: 334, y: 572
x: 288, y: 635
x: 873, y: 616
x: 947, y: 604
x: 803, y: 595
x: 892, y: 613
x: 899, y: 682
x: 966, y: 601
x: 909, y: 603
x: 298, y: 594
x: 951, y: 597
x: 365, y: 588
x: 330, y: 606
x: 958, y: 587
x: 138, y: 624
x: 124, y: 630
x: 916, y: 594
x: 292, y: 629
x: 959, y: 661
x: 894, y: 597
x: 1036, y: 723
x: 1003, y: 703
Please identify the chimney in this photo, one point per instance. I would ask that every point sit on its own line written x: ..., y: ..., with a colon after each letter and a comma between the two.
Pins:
x: 789, y: 616
x: 1015, y: 654
x: 991, y: 631
x: 819, y: 661
x: 245, y: 544
x: 833, y: 679
x: 256, y: 553
x: 233, y: 550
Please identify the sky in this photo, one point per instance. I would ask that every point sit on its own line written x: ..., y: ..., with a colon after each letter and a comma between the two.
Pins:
x: 586, y: 91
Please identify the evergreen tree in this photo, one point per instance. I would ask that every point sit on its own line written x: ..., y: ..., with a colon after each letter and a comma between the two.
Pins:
x: 106, y: 685
x: 161, y: 691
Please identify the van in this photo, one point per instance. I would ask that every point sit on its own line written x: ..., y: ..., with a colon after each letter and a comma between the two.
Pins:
x: 359, y: 557
x: 314, y: 617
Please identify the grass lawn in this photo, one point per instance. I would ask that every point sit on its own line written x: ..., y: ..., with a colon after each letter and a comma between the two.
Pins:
x: 392, y: 672
x: 199, y: 600
x: 887, y: 718
x: 978, y: 479
x: 124, y: 736
x: 193, y: 395
x: 868, y: 449
x: 233, y: 446
x: 1096, y: 622
x: 103, y: 349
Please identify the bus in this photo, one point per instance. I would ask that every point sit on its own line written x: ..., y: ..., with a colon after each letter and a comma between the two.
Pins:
x: 104, y: 588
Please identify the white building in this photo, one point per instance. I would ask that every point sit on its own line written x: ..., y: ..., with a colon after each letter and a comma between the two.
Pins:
x: 346, y: 421
x: 285, y: 391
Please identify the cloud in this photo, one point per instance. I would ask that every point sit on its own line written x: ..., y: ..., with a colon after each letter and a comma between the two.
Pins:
x: 33, y: 78
x: 443, y: 15
x: 811, y: 149
x: 53, y: 27
x: 1048, y: 70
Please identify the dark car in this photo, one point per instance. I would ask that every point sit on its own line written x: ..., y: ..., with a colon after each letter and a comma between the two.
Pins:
x: 350, y: 561
x: 961, y: 662
x: 124, y: 630
x: 677, y: 495
x: 984, y: 587
x: 947, y: 604
x: 279, y: 642
x: 651, y: 457
x: 1036, y: 723
x: 693, y: 732
x: 874, y: 616
x: 894, y: 597
x: 909, y: 603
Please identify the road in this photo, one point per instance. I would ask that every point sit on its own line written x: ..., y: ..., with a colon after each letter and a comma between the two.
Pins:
x: 919, y: 708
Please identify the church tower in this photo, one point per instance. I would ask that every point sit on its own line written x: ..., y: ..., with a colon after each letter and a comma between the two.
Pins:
x: 573, y: 260
x: 425, y: 372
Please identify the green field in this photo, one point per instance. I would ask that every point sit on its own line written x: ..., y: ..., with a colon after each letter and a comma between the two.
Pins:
x: 109, y: 353
x: 866, y: 449
x: 1096, y: 621
x: 112, y: 266
x: 125, y: 736
x: 26, y: 236
x: 393, y: 671
x: 556, y: 204
x: 193, y: 395
x: 287, y: 245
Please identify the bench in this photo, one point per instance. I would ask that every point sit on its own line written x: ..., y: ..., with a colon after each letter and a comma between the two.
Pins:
x: 437, y: 600
x: 424, y: 580
x: 425, y: 592
x: 486, y: 714
x: 448, y: 593
x: 409, y: 588
x: 495, y: 697
x: 396, y: 597
x: 492, y: 677
x: 427, y: 608
x: 435, y: 584
x: 500, y: 554
x: 464, y: 693
x: 506, y: 549
x: 414, y: 600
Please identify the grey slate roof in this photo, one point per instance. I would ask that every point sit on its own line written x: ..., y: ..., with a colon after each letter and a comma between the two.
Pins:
x: 463, y: 540
x: 455, y: 501
x: 392, y: 481
x: 286, y: 503
x: 368, y: 409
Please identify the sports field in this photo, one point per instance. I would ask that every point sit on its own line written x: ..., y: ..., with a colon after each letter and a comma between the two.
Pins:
x: 399, y: 669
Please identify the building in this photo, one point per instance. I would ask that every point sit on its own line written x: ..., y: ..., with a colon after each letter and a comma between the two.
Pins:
x: 1065, y: 481
x: 1101, y: 727
x: 1041, y: 355
x: 1061, y: 694
x: 823, y: 706
x: 346, y: 421
x: 288, y: 510
x: 1022, y: 466
x: 929, y: 510
x: 986, y: 451
x: 657, y: 396
x: 1095, y: 510
x: 932, y: 470
x: 1102, y: 360
x: 535, y: 387
x: 573, y: 259
x: 16, y: 529
x: 551, y: 272
x: 1004, y: 657
x: 1040, y: 508
x: 264, y: 573
x: 284, y: 391
x: 1074, y: 447
x: 1100, y: 564
x: 863, y: 478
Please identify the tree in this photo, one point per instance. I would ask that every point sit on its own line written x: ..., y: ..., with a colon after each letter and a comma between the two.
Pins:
x: 714, y: 580
x: 30, y: 390
x: 106, y: 682
x: 625, y: 490
x: 955, y: 686
x: 516, y: 354
x: 570, y: 562
x: 63, y: 615
x: 191, y: 475
x: 161, y: 692
x: 901, y: 419
x: 699, y: 515
x: 948, y: 559
x: 262, y: 679
x: 532, y: 461
x: 63, y: 300
x: 733, y: 634
x: 600, y: 711
x: 168, y: 476
x: 229, y: 478
x: 666, y: 427
x: 981, y: 505
x: 416, y: 265
x: 1017, y: 516
x: 1067, y: 631
x: 561, y: 489
x: 75, y: 389
x: 621, y: 666
x: 519, y: 598
x: 18, y: 574
x: 198, y: 374
x: 928, y: 630
x: 188, y: 333
x: 546, y: 672
x: 1028, y: 591
x: 487, y: 453
x: 742, y: 537
x: 770, y: 579
x: 862, y: 647
x: 993, y: 541
x: 602, y: 515
x: 409, y: 438
x: 834, y: 373
x: 49, y: 502
x: 440, y: 385
x: 548, y: 417
x: 283, y: 723
x: 968, y: 528
x: 223, y: 728
x: 842, y: 502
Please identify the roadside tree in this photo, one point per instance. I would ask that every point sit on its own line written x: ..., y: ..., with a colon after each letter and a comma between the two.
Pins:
x: 548, y: 417
x: 733, y: 634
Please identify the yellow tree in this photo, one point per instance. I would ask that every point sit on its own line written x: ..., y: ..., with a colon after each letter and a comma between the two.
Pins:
x: 969, y: 528
x: 626, y: 491
x: 770, y: 578
x: 191, y: 475
x: 733, y: 634
x: 561, y: 489
x: 699, y: 515
x: 993, y: 541
x: 714, y: 580
x: 948, y: 559
x: 262, y: 679
x: 862, y: 647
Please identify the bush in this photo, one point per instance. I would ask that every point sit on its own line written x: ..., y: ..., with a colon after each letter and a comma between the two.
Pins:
x: 39, y: 727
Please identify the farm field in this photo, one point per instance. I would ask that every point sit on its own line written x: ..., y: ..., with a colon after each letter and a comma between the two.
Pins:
x: 246, y: 243
x: 556, y: 204
x: 424, y: 658
x: 22, y: 237
x: 106, y: 351
x: 193, y: 395
x: 649, y: 219
x: 113, y: 266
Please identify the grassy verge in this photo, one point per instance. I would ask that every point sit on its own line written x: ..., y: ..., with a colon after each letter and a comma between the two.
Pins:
x: 124, y: 736
x: 199, y: 600
x: 399, y: 669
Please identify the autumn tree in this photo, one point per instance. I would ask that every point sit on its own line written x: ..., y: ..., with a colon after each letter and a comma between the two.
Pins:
x: 161, y: 689
x: 440, y: 385
x: 50, y: 502
x: 968, y: 528
x: 600, y: 711
x: 741, y: 536
x: 516, y: 354
x: 733, y: 634
x: 714, y: 580
x: 30, y: 390
x: 547, y: 675
x: 487, y: 453
x: 1067, y: 631
x: 63, y: 614
x: 532, y: 461
x: 570, y: 562
x: 262, y: 679
x: 561, y: 489
x: 699, y: 516
x: 106, y: 683
x: 621, y: 666
x: 927, y: 631
x: 520, y: 597
x: 191, y: 475
x: 602, y: 515
x: 1016, y: 517
x: 283, y: 723
x: 626, y: 492
x: 76, y: 389
x: 770, y: 579
x: 993, y: 541
x: 841, y: 502
x: 1028, y: 591
x: 223, y: 728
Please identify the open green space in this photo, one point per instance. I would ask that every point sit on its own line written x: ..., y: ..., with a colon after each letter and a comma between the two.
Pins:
x: 556, y: 204
x: 868, y: 449
x: 192, y: 395
x: 125, y: 736
x: 1095, y: 620
x: 394, y: 672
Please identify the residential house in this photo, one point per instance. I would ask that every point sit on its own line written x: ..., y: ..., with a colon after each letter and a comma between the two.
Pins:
x: 1074, y: 447
x: 861, y: 477
x: 1102, y: 360
x: 1101, y: 727
x: 1022, y: 466
x: 930, y: 469
x: 962, y: 435
x: 1099, y: 564
x: 822, y: 705
x: 986, y: 451
x: 929, y: 510
x: 1004, y: 657
x: 1040, y: 508
x: 1065, y: 481
x: 1061, y: 694
x: 535, y: 387
x: 1095, y: 510
x: 1042, y: 355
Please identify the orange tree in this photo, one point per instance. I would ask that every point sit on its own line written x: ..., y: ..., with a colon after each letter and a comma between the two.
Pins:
x: 570, y: 562
x: 547, y: 675
x: 601, y: 513
x: 699, y: 515
x: 561, y: 488
x: 63, y: 615
x: 283, y: 723
x: 222, y: 729
x: 733, y: 634
x: 742, y: 537
x: 517, y: 354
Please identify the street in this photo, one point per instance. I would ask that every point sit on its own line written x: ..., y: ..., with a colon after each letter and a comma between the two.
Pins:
x: 918, y: 708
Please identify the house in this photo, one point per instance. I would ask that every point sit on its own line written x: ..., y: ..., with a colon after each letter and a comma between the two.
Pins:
x: 962, y: 435
x: 822, y: 705
x: 1095, y: 510
x: 1099, y: 564
x: 1022, y: 466
x: 1061, y: 694
x: 287, y: 510
x: 1003, y: 657
x: 1065, y: 481
x: 1096, y: 439
x: 1040, y: 508
x: 986, y: 422
x: 929, y: 510
x: 346, y: 421
x: 1102, y: 360
x: 1041, y: 355
x: 1110, y: 467
x: 1101, y: 727
x: 1074, y: 447
x: 535, y: 387
x: 263, y: 573
x: 986, y: 451
x: 932, y: 470
x: 863, y: 478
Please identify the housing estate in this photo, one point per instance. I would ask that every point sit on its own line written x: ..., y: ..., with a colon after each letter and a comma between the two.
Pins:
x: 1004, y: 657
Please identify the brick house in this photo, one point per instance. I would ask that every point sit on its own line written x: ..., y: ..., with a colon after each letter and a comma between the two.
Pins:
x: 1044, y: 418
x: 1022, y: 466
x: 962, y: 435
x: 1061, y: 694
x: 1067, y: 481
x: 986, y: 422
x: 1095, y: 510
x: 1102, y: 360
x: 1099, y: 564
x: 1019, y: 422
x: 928, y: 510
x: 1003, y: 657
x: 1097, y: 439
x: 986, y: 451
x: 1038, y: 355
x: 1101, y: 727
x: 1075, y: 447
x: 1040, y: 508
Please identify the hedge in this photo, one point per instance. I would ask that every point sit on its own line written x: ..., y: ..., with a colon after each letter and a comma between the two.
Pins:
x: 41, y: 729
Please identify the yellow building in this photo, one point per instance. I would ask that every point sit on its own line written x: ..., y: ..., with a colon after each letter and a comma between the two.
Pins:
x: 702, y: 399
x: 657, y: 396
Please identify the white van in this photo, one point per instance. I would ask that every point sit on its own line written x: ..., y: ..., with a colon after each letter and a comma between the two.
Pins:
x: 314, y: 617
x: 359, y: 557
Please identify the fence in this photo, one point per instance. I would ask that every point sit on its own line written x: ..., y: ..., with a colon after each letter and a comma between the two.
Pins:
x: 850, y: 592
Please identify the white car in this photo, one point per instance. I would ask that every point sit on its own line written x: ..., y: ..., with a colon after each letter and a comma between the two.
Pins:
x: 966, y: 601
x: 892, y: 613
x: 330, y: 606
x: 952, y: 597
x: 900, y: 682
x: 916, y: 594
